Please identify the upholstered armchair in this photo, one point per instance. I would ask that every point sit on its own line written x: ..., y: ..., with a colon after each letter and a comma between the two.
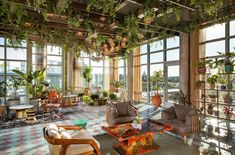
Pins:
x: 62, y: 143
x: 184, y: 119
x: 120, y: 112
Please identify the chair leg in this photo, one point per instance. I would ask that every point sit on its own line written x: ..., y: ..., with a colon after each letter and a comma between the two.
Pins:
x: 185, y: 139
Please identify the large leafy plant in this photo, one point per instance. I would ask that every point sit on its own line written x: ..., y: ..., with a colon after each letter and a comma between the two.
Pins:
x: 157, y: 80
x: 3, y: 89
x: 34, y: 81
x: 86, y: 73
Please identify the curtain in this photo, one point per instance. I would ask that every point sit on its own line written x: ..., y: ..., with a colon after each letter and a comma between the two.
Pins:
x: 136, y: 75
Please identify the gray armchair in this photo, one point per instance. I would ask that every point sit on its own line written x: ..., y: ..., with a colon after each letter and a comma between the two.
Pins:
x: 120, y: 112
x: 183, y: 119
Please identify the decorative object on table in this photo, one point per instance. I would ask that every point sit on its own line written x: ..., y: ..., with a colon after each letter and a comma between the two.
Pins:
x: 35, y: 84
x: 210, y: 108
x: 212, y: 80
x: 136, y: 124
x: 86, y: 73
x: 157, y: 84
x: 80, y: 122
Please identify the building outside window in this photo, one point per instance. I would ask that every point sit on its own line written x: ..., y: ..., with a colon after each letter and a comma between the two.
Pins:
x: 160, y: 55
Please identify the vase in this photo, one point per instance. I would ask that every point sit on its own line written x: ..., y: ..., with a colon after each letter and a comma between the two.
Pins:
x: 156, y: 100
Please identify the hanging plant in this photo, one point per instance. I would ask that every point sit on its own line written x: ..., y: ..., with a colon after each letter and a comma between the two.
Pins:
x: 149, y: 16
x: 74, y: 21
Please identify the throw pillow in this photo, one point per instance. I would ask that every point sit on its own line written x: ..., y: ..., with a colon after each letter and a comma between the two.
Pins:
x: 52, y: 131
x: 122, y: 108
x: 181, y: 111
x: 64, y: 133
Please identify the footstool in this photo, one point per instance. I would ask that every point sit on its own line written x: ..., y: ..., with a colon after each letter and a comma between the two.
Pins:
x: 80, y: 122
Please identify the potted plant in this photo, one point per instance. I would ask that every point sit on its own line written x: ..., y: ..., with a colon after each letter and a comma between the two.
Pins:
x: 227, y: 59
x: 210, y: 108
x: 105, y: 94
x: 223, y: 81
x: 34, y: 82
x: 157, y: 83
x: 149, y: 16
x: 113, y: 97
x: 212, y: 80
x: 213, y: 97
x: 80, y: 95
x: 86, y: 73
x: 87, y: 99
x: 201, y: 66
x: 200, y: 84
x: 117, y: 85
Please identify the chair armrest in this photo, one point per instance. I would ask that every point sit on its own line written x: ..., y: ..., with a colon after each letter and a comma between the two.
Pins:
x: 70, y: 127
x: 112, y: 111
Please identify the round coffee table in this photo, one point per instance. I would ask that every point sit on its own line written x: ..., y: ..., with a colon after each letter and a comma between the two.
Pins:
x: 20, y: 110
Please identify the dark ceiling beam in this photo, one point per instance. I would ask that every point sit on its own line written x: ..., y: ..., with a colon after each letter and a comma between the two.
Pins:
x: 179, y: 4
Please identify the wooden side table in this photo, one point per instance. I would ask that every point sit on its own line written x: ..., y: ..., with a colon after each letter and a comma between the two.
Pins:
x: 20, y: 110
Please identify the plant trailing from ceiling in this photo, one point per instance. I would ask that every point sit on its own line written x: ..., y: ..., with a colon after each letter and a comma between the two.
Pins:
x: 74, y: 21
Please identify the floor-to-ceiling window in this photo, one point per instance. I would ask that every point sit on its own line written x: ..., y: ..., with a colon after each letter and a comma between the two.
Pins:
x: 122, y: 71
x: 161, y: 55
x: 12, y: 58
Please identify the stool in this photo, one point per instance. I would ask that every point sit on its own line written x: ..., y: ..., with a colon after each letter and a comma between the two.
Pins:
x: 80, y: 122
x: 30, y: 115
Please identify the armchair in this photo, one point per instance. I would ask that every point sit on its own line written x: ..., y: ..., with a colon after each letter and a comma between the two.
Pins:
x: 120, y: 112
x: 80, y: 143
x: 54, y: 102
x: 184, y: 119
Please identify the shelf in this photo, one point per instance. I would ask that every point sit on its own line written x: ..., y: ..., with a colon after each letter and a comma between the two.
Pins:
x: 219, y: 103
x: 226, y: 90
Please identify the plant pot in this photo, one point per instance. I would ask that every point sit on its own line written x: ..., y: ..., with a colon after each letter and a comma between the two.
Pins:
x: 156, y: 100
x: 212, y: 86
x: 201, y: 70
x: 228, y: 68
x: 223, y: 87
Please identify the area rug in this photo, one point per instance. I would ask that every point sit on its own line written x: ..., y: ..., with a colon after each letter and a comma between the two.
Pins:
x: 10, y: 121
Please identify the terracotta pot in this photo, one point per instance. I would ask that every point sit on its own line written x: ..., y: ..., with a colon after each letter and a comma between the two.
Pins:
x: 212, y: 86
x: 201, y: 70
x: 87, y: 91
x: 156, y: 100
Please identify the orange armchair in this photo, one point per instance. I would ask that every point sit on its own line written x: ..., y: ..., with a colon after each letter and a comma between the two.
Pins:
x: 83, y: 143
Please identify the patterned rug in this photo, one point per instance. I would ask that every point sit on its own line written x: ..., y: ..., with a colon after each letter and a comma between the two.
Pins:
x: 10, y: 121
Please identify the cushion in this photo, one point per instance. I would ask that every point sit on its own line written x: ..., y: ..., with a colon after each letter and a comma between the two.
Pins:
x: 169, y: 113
x: 181, y: 111
x: 122, y: 108
x: 188, y: 120
x: 52, y: 131
x: 64, y: 133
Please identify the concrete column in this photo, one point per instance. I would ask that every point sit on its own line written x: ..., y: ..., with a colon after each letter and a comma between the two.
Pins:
x: 130, y: 76
x: 184, y: 63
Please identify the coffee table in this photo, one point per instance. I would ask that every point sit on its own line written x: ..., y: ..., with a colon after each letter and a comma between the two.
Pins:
x: 134, y: 141
x: 20, y: 110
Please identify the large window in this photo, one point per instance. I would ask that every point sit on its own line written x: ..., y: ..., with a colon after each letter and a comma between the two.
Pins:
x: 122, y: 70
x: 49, y: 57
x: 160, y: 55
x: 12, y: 58
x: 99, y: 70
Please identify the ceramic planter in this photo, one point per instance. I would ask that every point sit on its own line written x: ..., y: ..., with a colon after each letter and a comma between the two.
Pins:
x: 228, y: 68
x: 156, y: 100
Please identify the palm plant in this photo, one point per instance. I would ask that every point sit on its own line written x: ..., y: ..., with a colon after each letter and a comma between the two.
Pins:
x: 157, y: 80
x: 34, y: 81
x: 86, y: 73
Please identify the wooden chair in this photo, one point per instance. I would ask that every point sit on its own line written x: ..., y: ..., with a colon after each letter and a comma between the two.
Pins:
x: 65, y: 143
x: 53, y: 102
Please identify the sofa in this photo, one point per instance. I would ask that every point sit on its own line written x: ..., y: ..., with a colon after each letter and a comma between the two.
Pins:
x: 120, y: 112
x: 184, y: 119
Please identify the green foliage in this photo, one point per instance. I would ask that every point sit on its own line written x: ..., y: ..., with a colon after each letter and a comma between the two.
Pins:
x: 184, y: 98
x: 157, y: 79
x: 34, y: 81
x: 87, y: 99
x: 95, y: 96
x: 86, y: 73
x: 212, y: 79
x: 74, y: 21
x: 14, y: 83
x: 81, y: 94
x: 3, y: 90
x: 113, y: 97
x: 118, y: 84
x: 203, y: 63
x: 225, y: 59
x: 105, y: 93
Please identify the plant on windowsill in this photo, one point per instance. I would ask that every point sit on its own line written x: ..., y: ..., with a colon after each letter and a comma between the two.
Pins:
x: 117, y: 85
x: 227, y: 60
x: 212, y: 80
x: 157, y: 84
x: 201, y: 66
